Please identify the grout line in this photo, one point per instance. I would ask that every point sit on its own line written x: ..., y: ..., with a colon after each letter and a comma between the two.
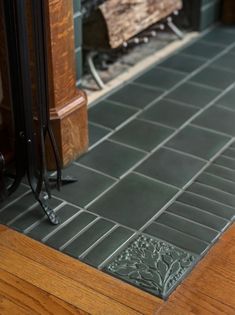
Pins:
x: 94, y: 170
x: 194, y: 56
x: 36, y: 223
x: 156, y: 123
x: 87, y: 206
x: 222, y: 68
x: 28, y: 192
x: 200, y: 210
x: 118, y: 250
x: 90, y: 224
x: 183, y: 189
x: 99, y: 125
x: 83, y: 255
x: 208, y: 87
x: 205, y: 86
x: 228, y: 168
x: 181, y: 82
x: 60, y: 226
x: 229, y: 158
x: 215, y: 188
x: 225, y: 108
x: 99, y: 216
x: 123, y: 105
x: 174, y: 101
x: 209, y: 199
x: 191, y: 221
x: 127, y: 145
x: 211, y: 130
x: 184, y: 153
x: 23, y: 213
x: 186, y: 234
x: 169, y: 138
x: 224, y: 167
x: 219, y: 177
x: 155, y: 180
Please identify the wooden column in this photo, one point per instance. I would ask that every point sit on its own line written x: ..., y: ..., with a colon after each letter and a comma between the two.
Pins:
x: 68, y: 105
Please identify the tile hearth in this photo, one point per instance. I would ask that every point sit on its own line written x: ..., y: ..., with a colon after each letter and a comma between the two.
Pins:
x: 157, y: 187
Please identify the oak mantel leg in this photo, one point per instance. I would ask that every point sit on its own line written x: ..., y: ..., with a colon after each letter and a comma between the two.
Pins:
x: 68, y: 105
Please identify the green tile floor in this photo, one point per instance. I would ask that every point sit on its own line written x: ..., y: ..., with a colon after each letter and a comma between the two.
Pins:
x: 157, y: 187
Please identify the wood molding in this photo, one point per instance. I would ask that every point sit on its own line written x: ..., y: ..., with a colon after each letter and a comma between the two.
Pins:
x: 68, y: 105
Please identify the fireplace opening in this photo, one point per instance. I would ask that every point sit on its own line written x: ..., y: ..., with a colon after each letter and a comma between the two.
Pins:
x: 117, y: 35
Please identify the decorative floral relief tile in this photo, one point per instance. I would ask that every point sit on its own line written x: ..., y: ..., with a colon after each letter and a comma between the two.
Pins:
x: 152, y: 265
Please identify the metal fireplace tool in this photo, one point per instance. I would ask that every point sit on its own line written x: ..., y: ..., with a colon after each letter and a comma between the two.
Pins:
x: 30, y: 107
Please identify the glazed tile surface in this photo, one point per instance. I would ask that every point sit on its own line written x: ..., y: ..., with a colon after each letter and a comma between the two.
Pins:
x: 152, y: 264
x: 157, y: 187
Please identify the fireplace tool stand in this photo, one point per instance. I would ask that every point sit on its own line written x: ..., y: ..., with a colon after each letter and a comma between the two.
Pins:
x: 30, y: 107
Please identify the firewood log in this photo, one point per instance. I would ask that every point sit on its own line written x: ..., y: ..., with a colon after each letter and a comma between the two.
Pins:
x: 116, y: 21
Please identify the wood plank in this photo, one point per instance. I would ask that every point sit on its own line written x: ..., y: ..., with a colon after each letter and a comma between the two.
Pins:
x: 84, y: 275
x: 59, y: 285
x: 20, y: 297
x: 187, y: 301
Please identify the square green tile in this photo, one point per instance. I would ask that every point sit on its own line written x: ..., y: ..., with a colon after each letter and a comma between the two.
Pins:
x: 171, y: 167
x: 78, y: 192
x: 141, y: 134
x: 135, y: 95
x: 109, y: 115
x: 108, y: 246
x: 182, y: 63
x: 133, y: 201
x: 169, y: 113
x: 198, y: 142
x: 218, y: 119
x: 217, y: 78
x: 193, y: 94
x: 160, y: 78
x: 203, y: 50
x: 111, y: 158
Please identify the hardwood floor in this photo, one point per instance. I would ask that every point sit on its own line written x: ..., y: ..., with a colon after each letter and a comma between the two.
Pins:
x: 35, y: 279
